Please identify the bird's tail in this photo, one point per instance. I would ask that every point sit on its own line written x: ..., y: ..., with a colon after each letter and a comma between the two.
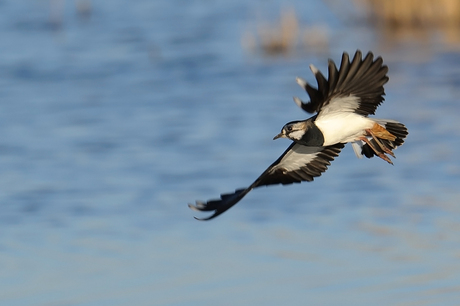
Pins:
x: 386, y: 135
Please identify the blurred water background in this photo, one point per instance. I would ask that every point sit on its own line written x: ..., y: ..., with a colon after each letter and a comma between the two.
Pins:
x: 116, y: 114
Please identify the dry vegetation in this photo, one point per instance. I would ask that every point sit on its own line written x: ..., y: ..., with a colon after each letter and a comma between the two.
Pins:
x: 397, y: 21
x: 285, y: 37
x: 413, y: 13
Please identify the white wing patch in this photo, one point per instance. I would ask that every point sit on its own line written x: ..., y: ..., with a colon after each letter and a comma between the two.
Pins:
x: 298, y: 157
x: 340, y: 105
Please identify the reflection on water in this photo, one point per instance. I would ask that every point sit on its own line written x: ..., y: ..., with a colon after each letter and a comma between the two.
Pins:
x: 105, y: 141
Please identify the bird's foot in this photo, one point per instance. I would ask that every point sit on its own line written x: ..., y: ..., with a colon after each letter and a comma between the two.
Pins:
x: 384, y: 148
x: 385, y: 158
x: 378, y: 152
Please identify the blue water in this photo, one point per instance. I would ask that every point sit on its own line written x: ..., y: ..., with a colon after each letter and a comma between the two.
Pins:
x: 111, y: 121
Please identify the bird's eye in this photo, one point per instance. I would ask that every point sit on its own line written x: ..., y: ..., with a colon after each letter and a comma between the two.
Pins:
x: 289, y: 128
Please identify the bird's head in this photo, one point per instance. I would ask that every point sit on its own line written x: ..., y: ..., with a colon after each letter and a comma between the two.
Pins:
x: 294, y: 130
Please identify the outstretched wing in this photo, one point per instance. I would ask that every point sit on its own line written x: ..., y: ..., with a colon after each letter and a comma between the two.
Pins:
x: 298, y: 163
x: 356, y: 87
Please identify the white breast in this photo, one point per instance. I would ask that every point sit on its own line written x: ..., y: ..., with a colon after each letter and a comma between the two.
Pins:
x: 342, y: 127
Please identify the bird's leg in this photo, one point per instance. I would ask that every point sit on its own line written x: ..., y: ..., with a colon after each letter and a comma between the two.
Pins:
x: 377, y: 152
x: 387, y: 136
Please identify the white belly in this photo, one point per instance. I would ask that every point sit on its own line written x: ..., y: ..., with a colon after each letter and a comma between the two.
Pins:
x: 343, y: 127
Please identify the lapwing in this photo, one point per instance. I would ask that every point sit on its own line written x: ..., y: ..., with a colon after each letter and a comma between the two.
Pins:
x: 341, y: 104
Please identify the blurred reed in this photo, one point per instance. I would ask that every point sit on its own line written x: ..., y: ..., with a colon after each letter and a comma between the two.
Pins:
x: 412, y: 13
x: 285, y: 36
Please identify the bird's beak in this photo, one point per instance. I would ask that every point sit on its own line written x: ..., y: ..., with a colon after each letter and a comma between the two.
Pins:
x: 280, y: 135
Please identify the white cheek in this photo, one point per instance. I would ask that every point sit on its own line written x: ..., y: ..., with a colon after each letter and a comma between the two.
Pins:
x: 297, y: 135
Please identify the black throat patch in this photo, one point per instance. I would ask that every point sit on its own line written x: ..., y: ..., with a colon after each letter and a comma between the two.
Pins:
x: 313, y: 137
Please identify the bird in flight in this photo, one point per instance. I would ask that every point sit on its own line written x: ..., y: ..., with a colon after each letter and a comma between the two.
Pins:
x: 342, y: 104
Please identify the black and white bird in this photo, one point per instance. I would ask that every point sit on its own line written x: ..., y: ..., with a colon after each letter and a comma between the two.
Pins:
x: 342, y: 104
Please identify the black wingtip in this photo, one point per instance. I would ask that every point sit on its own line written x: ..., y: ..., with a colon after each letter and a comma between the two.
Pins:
x: 200, y: 206
x: 205, y: 219
x: 219, y: 206
x: 200, y: 219
x: 195, y: 207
